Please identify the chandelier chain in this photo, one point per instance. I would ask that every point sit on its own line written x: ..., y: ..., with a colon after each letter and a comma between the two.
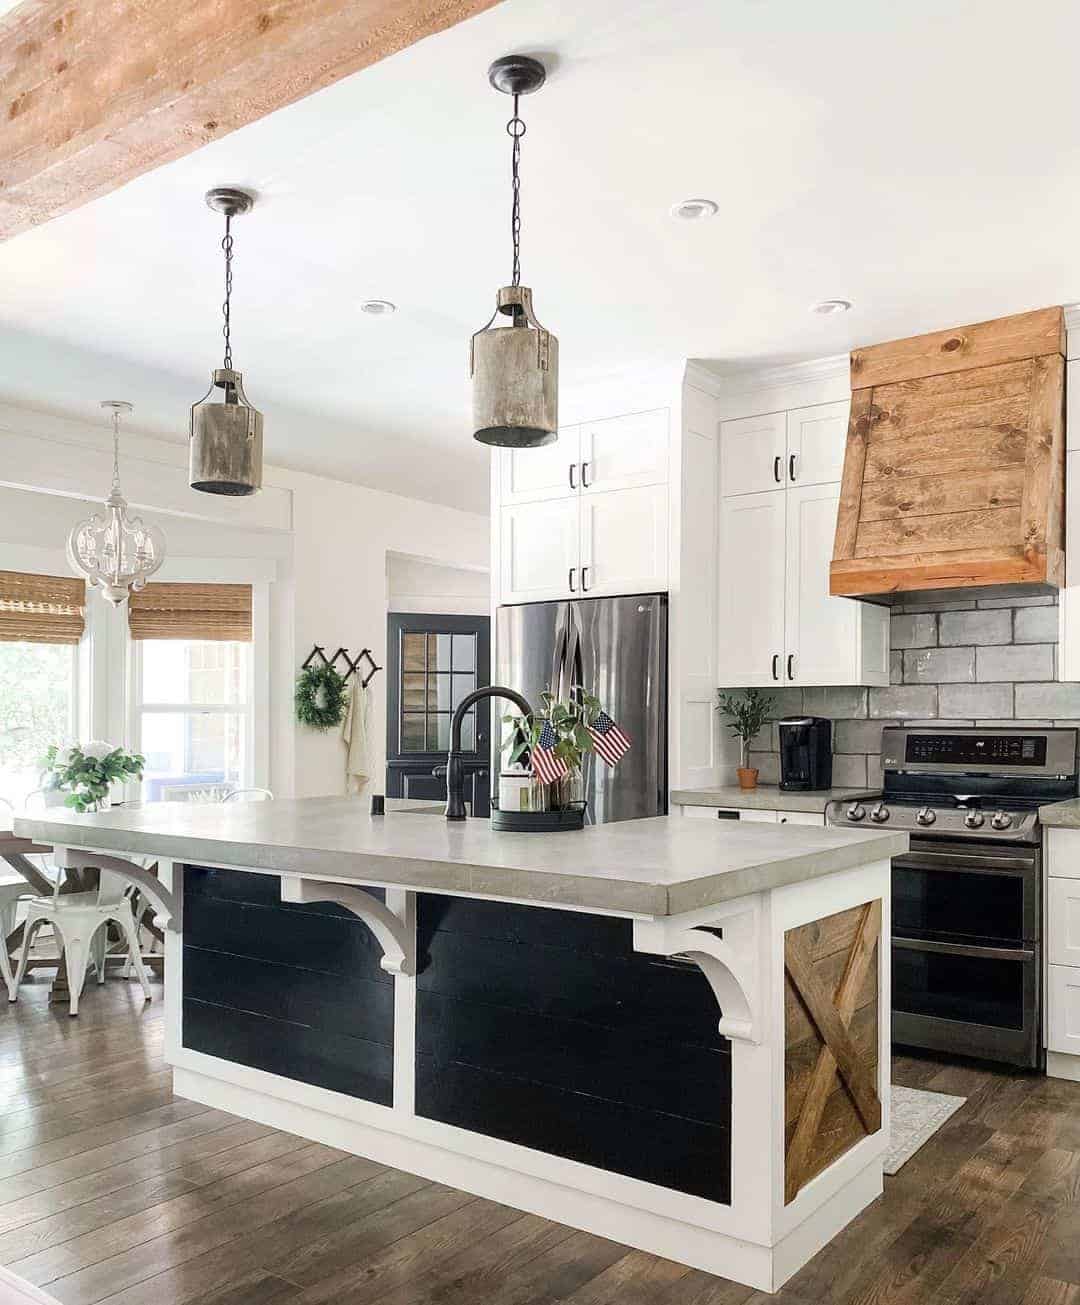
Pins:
x: 516, y: 129
x: 227, y: 247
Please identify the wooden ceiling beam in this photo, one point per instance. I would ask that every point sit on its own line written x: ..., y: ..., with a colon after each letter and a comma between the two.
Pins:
x: 96, y: 92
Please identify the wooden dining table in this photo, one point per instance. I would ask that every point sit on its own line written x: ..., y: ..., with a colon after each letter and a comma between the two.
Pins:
x: 16, y: 852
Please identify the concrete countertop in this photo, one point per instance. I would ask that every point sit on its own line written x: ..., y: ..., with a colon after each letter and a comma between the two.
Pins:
x: 766, y: 797
x: 1061, y: 815
x: 654, y: 867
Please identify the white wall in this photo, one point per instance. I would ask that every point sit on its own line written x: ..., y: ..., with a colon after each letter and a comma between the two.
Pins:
x: 329, y: 542
x: 414, y: 585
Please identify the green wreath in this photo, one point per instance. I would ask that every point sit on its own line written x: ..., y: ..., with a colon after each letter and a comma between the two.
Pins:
x: 321, y: 697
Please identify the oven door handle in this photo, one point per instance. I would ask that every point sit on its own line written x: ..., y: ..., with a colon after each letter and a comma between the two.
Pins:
x: 964, y: 861
x: 964, y: 949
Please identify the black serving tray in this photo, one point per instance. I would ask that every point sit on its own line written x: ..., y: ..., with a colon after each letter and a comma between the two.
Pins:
x: 538, y: 822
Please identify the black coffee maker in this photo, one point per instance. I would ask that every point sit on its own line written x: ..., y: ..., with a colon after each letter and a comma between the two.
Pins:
x: 805, y: 752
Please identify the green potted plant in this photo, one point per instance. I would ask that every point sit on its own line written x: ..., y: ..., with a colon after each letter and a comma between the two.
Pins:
x: 748, y: 714
x: 87, y: 771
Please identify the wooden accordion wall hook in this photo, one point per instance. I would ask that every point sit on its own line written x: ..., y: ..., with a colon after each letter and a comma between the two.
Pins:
x: 352, y: 664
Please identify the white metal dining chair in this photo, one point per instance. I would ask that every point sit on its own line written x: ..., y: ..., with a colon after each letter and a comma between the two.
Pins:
x: 77, y: 919
x: 13, y: 887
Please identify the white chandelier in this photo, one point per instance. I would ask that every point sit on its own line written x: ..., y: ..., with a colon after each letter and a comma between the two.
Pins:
x: 117, y: 553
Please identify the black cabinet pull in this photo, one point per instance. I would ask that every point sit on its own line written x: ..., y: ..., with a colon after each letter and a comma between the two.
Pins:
x: 584, y: 475
x: 776, y: 666
x: 584, y: 579
x: 791, y: 468
x: 790, y: 666
x: 573, y: 571
x: 777, y: 471
x: 572, y: 466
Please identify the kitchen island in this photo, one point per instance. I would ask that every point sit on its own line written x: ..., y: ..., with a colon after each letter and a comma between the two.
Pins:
x: 667, y: 1032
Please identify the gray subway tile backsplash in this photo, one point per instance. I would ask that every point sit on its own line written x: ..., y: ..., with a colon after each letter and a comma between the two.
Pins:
x: 952, y: 663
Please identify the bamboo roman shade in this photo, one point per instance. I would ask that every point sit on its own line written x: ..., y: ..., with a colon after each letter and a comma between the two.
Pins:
x: 178, y: 611
x: 41, y: 608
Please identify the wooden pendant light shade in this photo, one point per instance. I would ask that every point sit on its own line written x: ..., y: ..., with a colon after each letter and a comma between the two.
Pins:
x: 954, y: 473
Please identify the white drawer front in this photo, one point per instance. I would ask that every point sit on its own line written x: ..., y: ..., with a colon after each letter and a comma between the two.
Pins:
x: 700, y: 813
x: 1063, y: 853
x: 801, y: 818
x: 1063, y: 1009
x: 1063, y: 921
x: 766, y: 817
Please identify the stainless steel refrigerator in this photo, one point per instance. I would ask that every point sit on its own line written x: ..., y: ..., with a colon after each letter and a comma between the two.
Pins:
x: 615, y: 648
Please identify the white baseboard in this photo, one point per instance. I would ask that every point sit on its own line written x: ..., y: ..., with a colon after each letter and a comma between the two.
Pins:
x: 1059, y: 1065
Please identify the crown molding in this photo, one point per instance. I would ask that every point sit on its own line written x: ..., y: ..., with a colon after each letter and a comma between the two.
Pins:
x: 739, y: 378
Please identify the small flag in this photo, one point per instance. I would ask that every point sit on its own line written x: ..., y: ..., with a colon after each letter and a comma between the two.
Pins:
x: 609, y: 740
x: 546, y: 766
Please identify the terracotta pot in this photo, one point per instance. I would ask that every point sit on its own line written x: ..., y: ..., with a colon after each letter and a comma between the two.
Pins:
x: 747, y: 776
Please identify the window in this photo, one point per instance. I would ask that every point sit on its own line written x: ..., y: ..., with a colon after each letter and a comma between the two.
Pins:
x: 192, y: 688
x: 37, y: 708
x: 193, y: 716
x: 41, y: 624
x: 437, y: 671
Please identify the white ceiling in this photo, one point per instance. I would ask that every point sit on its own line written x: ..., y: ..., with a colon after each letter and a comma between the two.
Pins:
x: 920, y: 159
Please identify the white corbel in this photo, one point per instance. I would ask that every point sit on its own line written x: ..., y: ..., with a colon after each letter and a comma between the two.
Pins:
x: 167, y: 904
x: 725, y: 948
x: 394, y: 935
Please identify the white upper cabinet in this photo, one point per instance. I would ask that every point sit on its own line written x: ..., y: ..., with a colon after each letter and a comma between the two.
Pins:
x: 538, y: 550
x: 624, y: 541
x: 827, y: 640
x: 548, y: 472
x: 624, y: 452
x: 750, y: 606
x: 816, y: 439
x: 753, y: 453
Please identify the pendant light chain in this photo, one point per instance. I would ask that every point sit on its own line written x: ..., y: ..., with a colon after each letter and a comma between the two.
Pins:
x: 227, y: 246
x: 516, y: 129
x: 116, y: 451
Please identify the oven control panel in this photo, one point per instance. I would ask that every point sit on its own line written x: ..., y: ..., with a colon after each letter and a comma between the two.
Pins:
x: 976, y: 750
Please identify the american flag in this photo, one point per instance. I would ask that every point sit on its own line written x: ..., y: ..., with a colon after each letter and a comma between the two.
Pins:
x: 546, y: 766
x: 609, y: 740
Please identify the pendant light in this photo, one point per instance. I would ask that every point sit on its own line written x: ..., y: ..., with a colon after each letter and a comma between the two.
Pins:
x: 116, y: 552
x: 515, y: 368
x: 226, y: 433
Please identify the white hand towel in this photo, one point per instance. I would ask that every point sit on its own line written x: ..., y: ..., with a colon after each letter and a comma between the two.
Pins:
x: 354, y: 731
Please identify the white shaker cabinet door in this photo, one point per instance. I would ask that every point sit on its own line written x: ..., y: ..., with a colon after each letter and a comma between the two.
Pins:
x: 551, y: 471
x: 624, y: 541
x: 821, y: 631
x: 1063, y: 1009
x: 753, y: 454
x: 750, y: 601
x: 624, y: 452
x: 1063, y: 920
x: 539, y: 550
x: 816, y: 439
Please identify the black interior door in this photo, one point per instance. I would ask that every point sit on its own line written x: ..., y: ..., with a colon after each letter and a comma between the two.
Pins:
x: 434, y: 661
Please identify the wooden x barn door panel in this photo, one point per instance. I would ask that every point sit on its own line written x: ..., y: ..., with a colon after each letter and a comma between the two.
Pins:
x: 831, y: 1040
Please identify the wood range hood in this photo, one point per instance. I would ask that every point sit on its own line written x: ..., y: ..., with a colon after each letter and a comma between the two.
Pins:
x: 954, y: 472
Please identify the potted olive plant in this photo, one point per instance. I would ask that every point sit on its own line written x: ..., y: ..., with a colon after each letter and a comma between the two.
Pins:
x: 748, y: 714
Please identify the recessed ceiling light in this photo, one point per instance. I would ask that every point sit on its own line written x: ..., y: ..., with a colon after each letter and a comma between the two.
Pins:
x: 829, y: 306
x: 378, y: 307
x: 694, y: 210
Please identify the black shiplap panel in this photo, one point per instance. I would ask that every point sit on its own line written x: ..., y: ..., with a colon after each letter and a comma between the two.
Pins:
x: 338, y: 945
x: 672, y: 1152
x: 293, y: 990
x: 634, y: 992
x: 546, y: 1029
x: 636, y: 1067
x: 342, y: 1064
x: 352, y: 1007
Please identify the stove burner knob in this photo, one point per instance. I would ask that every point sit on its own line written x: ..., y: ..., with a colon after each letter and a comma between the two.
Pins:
x: 1001, y: 820
x: 974, y: 820
x: 926, y: 816
x: 856, y: 811
x: 880, y: 813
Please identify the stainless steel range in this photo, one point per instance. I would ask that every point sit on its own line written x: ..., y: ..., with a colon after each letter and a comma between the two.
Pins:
x: 967, y: 897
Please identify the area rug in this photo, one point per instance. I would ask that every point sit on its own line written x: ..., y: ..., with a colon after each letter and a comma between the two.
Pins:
x: 916, y: 1117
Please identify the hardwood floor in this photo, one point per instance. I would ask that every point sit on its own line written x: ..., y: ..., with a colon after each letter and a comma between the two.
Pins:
x: 113, y: 1190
